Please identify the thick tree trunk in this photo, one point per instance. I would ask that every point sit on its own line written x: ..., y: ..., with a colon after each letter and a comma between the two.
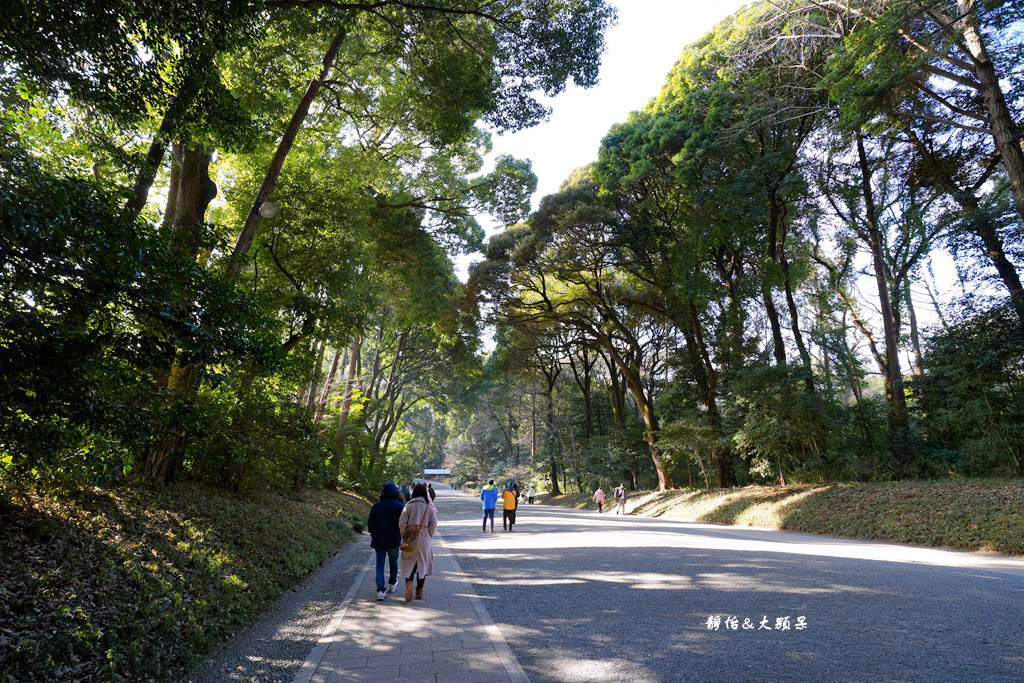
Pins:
x: 778, y: 344
x: 899, y: 423
x: 1004, y: 129
x: 164, y: 460
x: 195, y: 192
x: 248, y: 232
x: 342, y: 429
x: 168, y: 129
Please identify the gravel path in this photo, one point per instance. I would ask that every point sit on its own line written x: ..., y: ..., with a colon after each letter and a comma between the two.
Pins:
x: 275, y: 647
x: 585, y: 597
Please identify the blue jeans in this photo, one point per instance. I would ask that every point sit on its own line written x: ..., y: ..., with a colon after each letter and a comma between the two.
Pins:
x: 392, y: 555
x: 489, y: 513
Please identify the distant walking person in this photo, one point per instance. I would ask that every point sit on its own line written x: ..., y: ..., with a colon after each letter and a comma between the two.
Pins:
x: 530, y: 494
x: 417, y: 524
x: 431, y: 492
x: 599, y: 498
x: 385, y: 536
x: 508, y: 513
x: 620, y: 499
x: 489, y: 496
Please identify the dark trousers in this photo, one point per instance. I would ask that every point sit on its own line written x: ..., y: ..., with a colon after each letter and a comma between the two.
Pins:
x: 420, y: 580
x: 392, y: 555
x: 489, y: 513
x: 508, y: 518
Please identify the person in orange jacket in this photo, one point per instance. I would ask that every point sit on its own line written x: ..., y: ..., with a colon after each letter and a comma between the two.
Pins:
x: 508, y: 502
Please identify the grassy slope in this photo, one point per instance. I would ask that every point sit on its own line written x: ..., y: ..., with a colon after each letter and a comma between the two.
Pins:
x: 969, y: 515
x: 135, y: 584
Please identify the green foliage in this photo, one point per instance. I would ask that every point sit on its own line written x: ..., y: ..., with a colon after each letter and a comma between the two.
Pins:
x: 971, y: 401
x: 128, y: 584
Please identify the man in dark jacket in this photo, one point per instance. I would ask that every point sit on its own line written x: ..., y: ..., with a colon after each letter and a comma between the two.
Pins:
x: 385, y: 537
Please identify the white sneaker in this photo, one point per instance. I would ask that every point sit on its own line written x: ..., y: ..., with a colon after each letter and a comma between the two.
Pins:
x: 392, y: 587
x: 380, y: 595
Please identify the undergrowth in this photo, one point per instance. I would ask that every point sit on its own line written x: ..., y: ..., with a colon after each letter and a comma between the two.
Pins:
x: 134, y: 584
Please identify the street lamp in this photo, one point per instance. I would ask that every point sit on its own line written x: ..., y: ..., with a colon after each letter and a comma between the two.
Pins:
x: 268, y: 210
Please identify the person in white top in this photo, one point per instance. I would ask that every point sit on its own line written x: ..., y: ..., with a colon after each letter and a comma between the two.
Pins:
x: 530, y: 494
x: 620, y: 499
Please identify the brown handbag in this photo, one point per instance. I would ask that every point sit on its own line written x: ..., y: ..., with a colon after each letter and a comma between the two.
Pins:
x: 409, y: 537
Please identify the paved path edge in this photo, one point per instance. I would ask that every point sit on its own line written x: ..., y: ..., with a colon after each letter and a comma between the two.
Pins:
x: 508, y: 658
x: 316, y: 655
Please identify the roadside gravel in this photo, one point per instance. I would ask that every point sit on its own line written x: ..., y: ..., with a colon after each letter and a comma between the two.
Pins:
x: 275, y: 647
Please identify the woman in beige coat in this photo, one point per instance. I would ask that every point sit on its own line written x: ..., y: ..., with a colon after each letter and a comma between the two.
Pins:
x: 419, y: 516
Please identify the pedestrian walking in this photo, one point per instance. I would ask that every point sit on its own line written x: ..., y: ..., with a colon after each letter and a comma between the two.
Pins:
x: 599, y: 498
x: 489, y: 497
x: 406, y: 495
x: 508, y: 512
x: 417, y: 525
x: 385, y: 538
x: 430, y: 490
x: 530, y: 494
x: 620, y: 499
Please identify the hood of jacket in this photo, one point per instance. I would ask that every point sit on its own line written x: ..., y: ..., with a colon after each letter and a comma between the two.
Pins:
x: 390, y: 491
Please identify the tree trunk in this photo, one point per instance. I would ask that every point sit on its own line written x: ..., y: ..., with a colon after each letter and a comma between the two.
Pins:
x: 794, y: 318
x: 346, y: 406
x: 707, y: 381
x: 899, y: 424
x: 778, y: 344
x: 174, y: 185
x: 550, y: 439
x: 248, y: 232
x: 935, y: 305
x: 314, y: 378
x: 328, y: 388
x: 169, y: 126
x: 915, y: 337
x: 164, y: 460
x: 980, y: 223
x: 1004, y: 129
x: 645, y: 405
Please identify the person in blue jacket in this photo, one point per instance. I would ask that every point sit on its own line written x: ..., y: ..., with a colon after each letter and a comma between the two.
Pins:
x: 384, y: 535
x: 489, y: 496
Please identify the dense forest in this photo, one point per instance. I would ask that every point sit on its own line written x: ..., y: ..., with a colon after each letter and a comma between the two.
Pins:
x: 726, y: 295
x: 227, y: 228
x: 227, y: 234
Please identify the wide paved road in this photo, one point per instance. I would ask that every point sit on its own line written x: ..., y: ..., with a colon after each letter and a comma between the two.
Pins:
x: 587, y: 597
